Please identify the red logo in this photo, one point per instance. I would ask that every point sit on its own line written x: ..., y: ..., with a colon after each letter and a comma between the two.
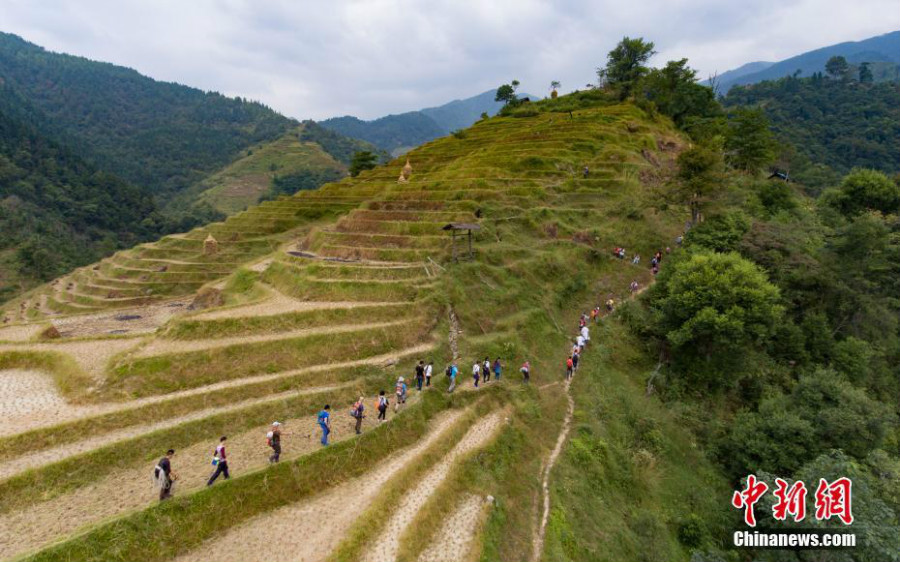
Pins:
x: 748, y: 497
x: 791, y: 501
x: 834, y: 500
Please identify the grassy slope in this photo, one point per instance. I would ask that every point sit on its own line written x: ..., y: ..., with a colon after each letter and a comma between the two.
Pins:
x: 242, y: 183
x: 542, y: 258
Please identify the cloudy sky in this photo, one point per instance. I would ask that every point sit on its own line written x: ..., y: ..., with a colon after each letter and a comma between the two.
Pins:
x: 317, y: 59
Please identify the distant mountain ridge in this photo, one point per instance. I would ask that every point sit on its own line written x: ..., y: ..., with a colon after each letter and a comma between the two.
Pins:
x: 400, y: 132
x: 880, y: 49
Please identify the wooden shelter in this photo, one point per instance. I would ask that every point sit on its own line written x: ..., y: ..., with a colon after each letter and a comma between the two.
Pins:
x: 455, y: 227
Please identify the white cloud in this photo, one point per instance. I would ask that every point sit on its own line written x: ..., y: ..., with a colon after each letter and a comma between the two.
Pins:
x: 318, y: 58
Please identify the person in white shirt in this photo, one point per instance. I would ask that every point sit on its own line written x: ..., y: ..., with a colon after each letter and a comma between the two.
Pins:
x: 429, y: 368
x: 476, y: 372
x: 579, y: 341
x: 585, y: 333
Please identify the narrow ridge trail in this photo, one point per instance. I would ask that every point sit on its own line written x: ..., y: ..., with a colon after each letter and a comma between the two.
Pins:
x: 310, y: 530
x: 454, y: 541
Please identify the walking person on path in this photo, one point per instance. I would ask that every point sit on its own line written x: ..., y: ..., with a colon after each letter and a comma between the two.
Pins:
x: 273, y: 438
x: 382, y: 406
x: 579, y: 342
x: 526, y: 372
x: 420, y: 375
x: 164, y: 476
x: 576, y: 357
x: 498, y: 368
x: 570, y: 366
x: 324, y: 420
x: 452, y: 371
x: 400, y: 390
x: 429, y: 368
x: 486, y: 369
x: 220, y: 461
x: 586, y: 334
x: 476, y: 372
x: 358, y: 413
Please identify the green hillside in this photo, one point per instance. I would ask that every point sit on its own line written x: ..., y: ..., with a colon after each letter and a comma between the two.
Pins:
x: 158, y: 135
x: 828, y: 126
x: 765, y: 342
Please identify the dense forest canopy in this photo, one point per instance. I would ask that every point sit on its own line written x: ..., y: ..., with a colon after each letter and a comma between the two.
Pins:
x: 163, y: 136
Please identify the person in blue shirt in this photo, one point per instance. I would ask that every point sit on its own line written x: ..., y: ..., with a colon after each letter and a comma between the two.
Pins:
x: 497, y: 369
x: 325, y: 423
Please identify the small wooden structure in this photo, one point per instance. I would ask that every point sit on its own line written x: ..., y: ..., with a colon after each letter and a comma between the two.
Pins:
x: 455, y: 227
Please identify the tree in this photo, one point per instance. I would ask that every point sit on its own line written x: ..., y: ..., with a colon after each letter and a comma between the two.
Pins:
x: 507, y: 93
x: 362, y: 160
x: 554, y: 86
x: 750, y: 143
x: 626, y: 65
x: 700, y: 173
x: 675, y: 92
x: 865, y: 73
x: 711, y: 308
x: 864, y: 189
x: 837, y: 67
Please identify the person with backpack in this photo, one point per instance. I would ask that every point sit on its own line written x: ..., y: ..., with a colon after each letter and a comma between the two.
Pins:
x: 324, y: 420
x: 476, y: 372
x: 382, y: 406
x: 486, y: 369
x: 570, y: 366
x: 163, y: 475
x: 526, y: 372
x: 400, y: 390
x: 429, y: 368
x: 452, y: 372
x: 220, y: 461
x: 273, y: 440
x: 576, y: 357
x: 579, y: 343
x: 420, y: 375
x: 358, y: 413
x: 586, y: 334
x: 498, y: 368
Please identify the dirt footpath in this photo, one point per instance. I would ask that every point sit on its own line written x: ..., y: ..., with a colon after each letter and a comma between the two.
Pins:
x: 310, y: 530
x: 455, y: 540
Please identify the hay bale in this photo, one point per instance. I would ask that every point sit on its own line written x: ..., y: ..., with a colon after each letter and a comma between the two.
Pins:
x: 207, y: 297
x: 50, y: 333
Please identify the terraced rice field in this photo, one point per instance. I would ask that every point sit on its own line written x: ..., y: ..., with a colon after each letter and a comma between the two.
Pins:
x: 324, y: 297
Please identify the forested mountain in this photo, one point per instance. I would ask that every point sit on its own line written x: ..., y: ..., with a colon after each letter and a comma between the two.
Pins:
x: 58, y: 212
x: 881, y: 49
x: 160, y: 135
x: 397, y: 133
x: 828, y: 126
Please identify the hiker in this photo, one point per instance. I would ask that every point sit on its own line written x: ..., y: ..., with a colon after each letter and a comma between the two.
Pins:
x: 581, y: 322
x: 526, y: 371
x: 586, y: 334
x: 163, y: 475
x: 452, y: 371
x: 428, y: 370
x: 621, y: 253
x: 498, y: 368
x: 679, y: 240
x: 586, y: 171
x: 636, y: 259
x: 570, y: 366
x: 420, y: 375
x: 220, y: 461
x: 653, y: 261
x: 273, y: 439
x: 476, y: 372
x: 382, y: 406
x: 655, y: 270
x: 486, y: 369
x: 400, y: 390
x: 575, y: 358
x: 658, y: 255
x: 357, y: 412
x: 579, y: 343
x: 610, y: 304
x: 324, y: 420
x: 594, y: 313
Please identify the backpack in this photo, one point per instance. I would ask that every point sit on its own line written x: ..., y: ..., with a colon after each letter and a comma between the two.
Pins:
x: 269, y: 437
x: 449, y: 370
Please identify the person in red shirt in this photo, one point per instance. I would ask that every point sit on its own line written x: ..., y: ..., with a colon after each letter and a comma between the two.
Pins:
x: 570, y: 367
x: 220, y: 460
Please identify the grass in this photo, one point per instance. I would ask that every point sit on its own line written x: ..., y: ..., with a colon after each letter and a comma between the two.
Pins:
x: 290, y: 280
x: 162, y: 374
x: 164, y: 531
x: 255, y: 325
